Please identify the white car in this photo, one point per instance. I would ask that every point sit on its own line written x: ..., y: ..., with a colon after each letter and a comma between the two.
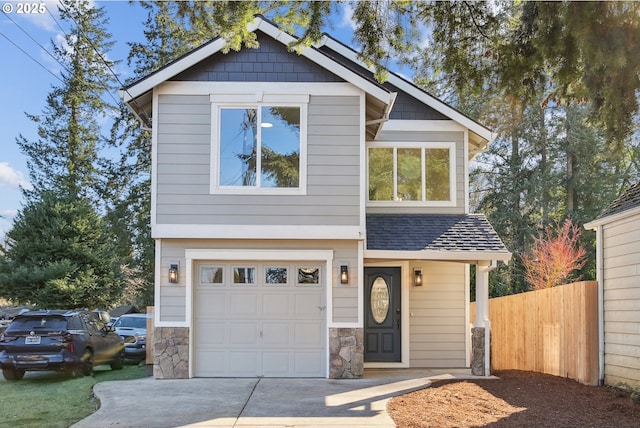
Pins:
x: 133, y: 330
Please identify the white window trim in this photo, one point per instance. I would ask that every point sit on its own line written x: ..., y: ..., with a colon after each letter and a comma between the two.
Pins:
x: 257, y: 100
x: 421, y: 145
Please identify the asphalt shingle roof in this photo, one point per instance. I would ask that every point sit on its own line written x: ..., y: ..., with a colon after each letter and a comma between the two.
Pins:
x: 629, y: 199
x: 417, y: 232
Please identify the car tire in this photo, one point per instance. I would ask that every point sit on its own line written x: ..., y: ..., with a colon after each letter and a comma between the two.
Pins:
x: 12, y: 374
x: 74, y: 371
x: 118, y: 362
x: 87, y: 362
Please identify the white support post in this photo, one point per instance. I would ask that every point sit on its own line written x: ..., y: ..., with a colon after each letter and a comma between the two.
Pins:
x: 482, y: 310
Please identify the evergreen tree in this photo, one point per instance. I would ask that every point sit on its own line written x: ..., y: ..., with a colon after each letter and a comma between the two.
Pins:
x: 65, y: 157
x: 574, y: 51
x: 60, y: 252
x: 60, y: 256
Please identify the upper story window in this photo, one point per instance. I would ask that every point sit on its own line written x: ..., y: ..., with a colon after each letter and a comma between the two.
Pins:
x: 412, y: 173
x: 259, y: 148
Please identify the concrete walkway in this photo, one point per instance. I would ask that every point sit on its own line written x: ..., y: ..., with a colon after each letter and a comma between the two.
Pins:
x: 257, y: 402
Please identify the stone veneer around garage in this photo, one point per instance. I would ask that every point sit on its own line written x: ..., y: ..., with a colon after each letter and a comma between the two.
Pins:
x: 346, y: 353
x: 171, y: 352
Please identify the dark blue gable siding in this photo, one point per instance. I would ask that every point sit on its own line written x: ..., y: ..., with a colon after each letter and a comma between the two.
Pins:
x: 406, y: 107
x: 271, y: 62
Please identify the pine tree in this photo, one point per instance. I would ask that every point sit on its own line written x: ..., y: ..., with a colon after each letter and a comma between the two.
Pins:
x: 60, y: 252
x: 65, y: 157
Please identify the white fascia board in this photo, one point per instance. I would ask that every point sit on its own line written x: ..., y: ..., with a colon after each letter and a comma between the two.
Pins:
x: 612, y: 218
x: 204, y: 231
x: 171, y: 70
x: 471, y: 257
x: 409, y: 88
x: 395, y: 125
x: 336, y: 68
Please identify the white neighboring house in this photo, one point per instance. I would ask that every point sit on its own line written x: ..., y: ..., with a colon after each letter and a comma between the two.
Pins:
x: 309, y: 221
x: 618, y: 274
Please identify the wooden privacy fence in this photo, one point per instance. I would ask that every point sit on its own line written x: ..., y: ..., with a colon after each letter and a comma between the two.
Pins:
x: 553, y: 331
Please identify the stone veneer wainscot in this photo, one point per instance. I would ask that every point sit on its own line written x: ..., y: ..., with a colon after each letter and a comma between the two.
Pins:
x: 171, y: 352
x: 346, y: 348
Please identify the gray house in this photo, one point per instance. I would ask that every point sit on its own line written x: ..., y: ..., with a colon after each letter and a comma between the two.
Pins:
x: 309, y: 221
x: 618, y: 274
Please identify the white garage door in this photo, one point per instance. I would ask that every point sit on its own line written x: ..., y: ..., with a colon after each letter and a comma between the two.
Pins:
x: 259, y: 319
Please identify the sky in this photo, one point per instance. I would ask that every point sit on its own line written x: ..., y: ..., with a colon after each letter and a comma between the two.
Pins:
x: 28, y: 73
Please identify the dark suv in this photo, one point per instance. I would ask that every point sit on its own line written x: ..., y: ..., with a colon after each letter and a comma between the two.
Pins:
x: 70, y: 341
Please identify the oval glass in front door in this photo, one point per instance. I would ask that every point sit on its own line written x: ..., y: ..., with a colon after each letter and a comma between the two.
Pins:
x: 379, y: 300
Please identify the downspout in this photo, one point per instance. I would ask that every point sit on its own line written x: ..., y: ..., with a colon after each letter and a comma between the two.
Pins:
x: 600, y: 280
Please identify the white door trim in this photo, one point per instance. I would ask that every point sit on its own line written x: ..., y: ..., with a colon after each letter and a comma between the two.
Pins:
x: 404, y: 298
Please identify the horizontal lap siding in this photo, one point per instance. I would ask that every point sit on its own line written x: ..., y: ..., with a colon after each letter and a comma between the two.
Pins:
x: 621, y: 242
x: 345, y: 297
x: 437, y: 316
x: 183, y: 169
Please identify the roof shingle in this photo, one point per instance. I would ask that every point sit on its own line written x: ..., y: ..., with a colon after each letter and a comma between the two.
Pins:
x: 629, y: 199
x: 417, y: 232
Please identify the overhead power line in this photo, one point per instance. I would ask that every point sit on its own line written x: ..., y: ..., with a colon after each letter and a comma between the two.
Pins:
x: 100, y: 55
x: 32, y: 58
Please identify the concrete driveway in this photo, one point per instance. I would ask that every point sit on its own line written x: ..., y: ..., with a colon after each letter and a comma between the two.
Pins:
x: 257, y: 402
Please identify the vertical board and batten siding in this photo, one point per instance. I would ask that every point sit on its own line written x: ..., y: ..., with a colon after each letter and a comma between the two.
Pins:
x: 437, y: 316
x: 183, y: 169
x: 552, y: 331
x: 621, y: 279
x: 173, y: 303
x: 437, y: 137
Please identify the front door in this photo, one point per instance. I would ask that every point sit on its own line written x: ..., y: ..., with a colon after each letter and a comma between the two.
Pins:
x: 382, y: 314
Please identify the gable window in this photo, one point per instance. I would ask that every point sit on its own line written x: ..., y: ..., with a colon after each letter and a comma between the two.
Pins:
x: 259, y: 148
x: 418, y: 173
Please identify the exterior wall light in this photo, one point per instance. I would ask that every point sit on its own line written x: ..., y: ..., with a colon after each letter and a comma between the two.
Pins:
x: 344, y: 274
x: 173, y: 274
x: 417, y: 277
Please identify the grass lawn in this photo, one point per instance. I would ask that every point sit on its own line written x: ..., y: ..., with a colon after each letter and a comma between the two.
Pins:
x: 53, y: 399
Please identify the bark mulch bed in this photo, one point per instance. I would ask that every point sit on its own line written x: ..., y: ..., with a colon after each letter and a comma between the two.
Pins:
x: 517, y: 399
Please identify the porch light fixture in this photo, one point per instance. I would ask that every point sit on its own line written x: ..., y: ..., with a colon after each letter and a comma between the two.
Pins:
x: 344, y: 274
x: 417, y: 277
x: 173, y: 274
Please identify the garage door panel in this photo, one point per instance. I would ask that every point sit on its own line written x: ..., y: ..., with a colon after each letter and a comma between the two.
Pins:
x: 308, y: 306
x: 276, y: 363
x: 243, y: 333
x: 213, y: 303
x: 211, y: 362
x: 307, y: 334
x: 243, y: 305
x: 276, y: 333
x: 308, y: 363
x: 276, y: 305
x: 243, y: 363
x: 210, y: 333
